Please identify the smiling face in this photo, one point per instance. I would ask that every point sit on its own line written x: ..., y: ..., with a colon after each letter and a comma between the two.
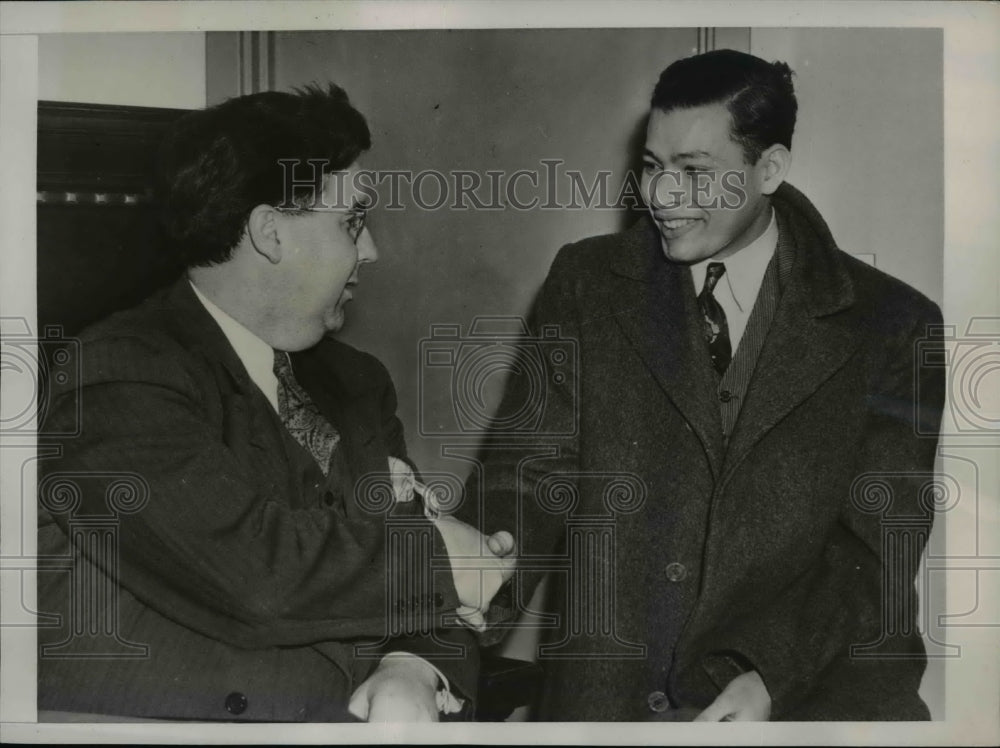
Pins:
x: 705, y: 199
x: 321, y: 251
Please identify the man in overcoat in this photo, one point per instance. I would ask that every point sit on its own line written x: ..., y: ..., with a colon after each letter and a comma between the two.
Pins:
x: 229, y: 531
x: 712, y: 481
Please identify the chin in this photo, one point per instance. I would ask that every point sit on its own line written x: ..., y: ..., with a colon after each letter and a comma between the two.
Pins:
x: 685, y: 254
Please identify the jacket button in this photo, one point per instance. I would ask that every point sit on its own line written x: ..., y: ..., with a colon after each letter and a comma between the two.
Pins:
x: 676, y: 572
x: 658, y: 701
x: 725, y: 396
x: 328, y: 498
x: 236, y: 703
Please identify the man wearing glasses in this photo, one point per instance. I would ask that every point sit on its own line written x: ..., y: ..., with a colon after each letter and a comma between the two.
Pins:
x: 257, y: 581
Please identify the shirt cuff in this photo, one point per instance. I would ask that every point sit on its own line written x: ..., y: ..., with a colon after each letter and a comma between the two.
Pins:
x: 447, y: 702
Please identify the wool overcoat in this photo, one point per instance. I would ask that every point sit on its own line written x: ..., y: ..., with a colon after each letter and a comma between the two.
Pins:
x: 680, y: 558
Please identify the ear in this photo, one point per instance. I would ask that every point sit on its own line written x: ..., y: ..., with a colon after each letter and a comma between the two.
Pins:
x: 262, y: 230
x: 772, y: 168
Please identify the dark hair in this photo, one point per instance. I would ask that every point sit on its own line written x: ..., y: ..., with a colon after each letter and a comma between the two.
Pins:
x: 218, y: 164
x: 758, y: 94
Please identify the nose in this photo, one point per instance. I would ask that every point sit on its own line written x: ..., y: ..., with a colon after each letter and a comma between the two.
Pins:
x: 367, y: 251
x: 665, y: 190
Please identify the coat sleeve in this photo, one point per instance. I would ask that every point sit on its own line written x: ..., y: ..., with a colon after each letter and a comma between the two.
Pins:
x: 211, y: 548
x: 852, y: 617
x: 454, y: 650
x: 518, y: 453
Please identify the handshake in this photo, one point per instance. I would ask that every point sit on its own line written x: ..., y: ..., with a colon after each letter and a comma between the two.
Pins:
x: 480, y: 564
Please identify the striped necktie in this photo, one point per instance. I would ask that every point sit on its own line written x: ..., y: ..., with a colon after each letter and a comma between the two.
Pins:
x: 301, y: 416
x: 714, y: 317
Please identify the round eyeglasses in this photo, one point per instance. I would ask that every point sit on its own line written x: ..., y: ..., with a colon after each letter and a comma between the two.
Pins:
x: 356, y: 222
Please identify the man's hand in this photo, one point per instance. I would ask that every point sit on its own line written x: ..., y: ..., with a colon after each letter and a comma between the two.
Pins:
x: 402, y: 689
x: 480, y: 565
x: 402, y: 479
x: 745, y: 699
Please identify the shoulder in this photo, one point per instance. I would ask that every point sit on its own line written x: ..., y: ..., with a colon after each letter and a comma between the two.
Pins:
x: 156, y: 343
x: 634, y: 252
x: 888, y: 298
x: 139, y: 343
x: 591, y: 253
x: 130, y: 360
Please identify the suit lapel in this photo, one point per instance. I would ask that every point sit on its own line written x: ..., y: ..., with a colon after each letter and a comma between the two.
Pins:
x: 322, y: 376
x: 205, y: 338
x: 333, y: 394
x: 654, y: 303
x: 813, y: 334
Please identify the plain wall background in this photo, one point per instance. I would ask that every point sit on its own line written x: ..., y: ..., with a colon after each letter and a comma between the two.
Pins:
x: 158, y: 70
x: 869, y: 144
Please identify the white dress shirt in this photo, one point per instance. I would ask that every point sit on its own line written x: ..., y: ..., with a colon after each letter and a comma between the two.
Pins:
x: 737, y: 290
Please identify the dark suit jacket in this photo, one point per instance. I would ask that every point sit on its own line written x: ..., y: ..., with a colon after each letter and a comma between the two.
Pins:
x: 247, y: 578
x: 769, y: 552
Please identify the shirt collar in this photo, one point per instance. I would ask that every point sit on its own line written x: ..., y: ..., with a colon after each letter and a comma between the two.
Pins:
x: 256, y: 355
x: 745, y: 269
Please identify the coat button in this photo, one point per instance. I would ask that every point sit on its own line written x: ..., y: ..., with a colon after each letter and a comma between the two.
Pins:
x: 236, y: 703
x: 725, y: 396
x: 658, y: 701
x: 676, y: 572
x: 328, y: 498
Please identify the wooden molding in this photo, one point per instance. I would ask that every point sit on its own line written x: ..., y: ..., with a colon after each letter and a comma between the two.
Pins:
x: 706, y: 39
x: 98, y: 154
x: 256, y: 61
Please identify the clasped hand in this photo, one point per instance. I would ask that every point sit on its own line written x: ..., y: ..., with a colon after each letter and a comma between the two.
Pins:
x: 480, y: 564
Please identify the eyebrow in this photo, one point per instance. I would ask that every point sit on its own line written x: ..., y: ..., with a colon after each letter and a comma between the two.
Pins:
x: 680, y: 156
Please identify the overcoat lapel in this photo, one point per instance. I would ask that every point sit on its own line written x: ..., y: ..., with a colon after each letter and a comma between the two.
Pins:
x: 654, y: 303
x: 813, y: 334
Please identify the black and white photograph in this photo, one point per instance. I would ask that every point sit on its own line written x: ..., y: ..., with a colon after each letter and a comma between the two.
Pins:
x: 500, y: 373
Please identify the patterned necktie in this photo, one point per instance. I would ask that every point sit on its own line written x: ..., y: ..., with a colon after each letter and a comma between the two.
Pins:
x: 716, y: 327
x: 301, y: 416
